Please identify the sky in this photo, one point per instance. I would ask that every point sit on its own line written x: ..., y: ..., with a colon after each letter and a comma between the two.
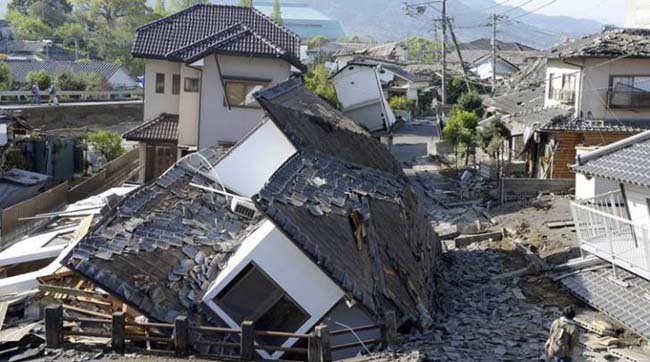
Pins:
x: 606, y: 11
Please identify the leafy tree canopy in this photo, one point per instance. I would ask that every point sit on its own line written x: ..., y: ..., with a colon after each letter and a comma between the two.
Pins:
x: 248, y: 3
x: 317, y: 80
x: 471, y: 102
x: 40, y: 77
x: 178, y: 5
x: 108, y: 144
x: 7, y: 79
x: 317, y: 41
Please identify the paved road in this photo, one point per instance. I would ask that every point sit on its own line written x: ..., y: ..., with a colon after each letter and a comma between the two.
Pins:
x: 411, y: 143
x: 14, y: 107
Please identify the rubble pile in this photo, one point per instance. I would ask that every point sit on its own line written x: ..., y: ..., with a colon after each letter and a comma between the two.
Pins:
x: 484, y: 317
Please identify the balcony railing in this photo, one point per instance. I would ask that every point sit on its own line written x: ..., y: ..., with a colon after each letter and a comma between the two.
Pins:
x: 565, y: 96
x: 605, y: 230
x: 627, y: 99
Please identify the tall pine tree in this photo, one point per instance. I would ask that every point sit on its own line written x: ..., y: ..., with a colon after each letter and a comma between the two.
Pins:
x: 276, y: 15
x: 246, y: 3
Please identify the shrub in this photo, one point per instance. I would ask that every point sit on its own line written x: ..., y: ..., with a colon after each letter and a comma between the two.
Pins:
x: 7, y: 79
x: 66, y: 80
x: 41, y: 77
x: 106, y: 143
x: 471, y: 102
x: 95, y: 82
x: 401, y: 103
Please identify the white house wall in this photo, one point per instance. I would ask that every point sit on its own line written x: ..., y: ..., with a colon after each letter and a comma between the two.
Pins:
x: 188, y: 120
x: 558, y: 68
x: 637, y: 202
x: 597, y: 82
x: 122, y: 79
x: 304, y: 282
x: 484, y: 69
x: 218, y: 124
x: 358, y: 88
x: 155, y: 103
x: 589, y: 187
x: 252, y: 162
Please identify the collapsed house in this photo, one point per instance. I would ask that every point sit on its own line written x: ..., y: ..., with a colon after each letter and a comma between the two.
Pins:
x: 307, y: 220
x: 614, y: 226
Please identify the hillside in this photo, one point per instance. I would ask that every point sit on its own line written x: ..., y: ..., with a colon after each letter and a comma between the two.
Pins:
x: 386, y: 20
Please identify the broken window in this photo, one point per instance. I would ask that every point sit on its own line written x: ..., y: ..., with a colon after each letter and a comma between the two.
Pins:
x: 240, y: 93
x: 254, y: 296
x: 562, y: 88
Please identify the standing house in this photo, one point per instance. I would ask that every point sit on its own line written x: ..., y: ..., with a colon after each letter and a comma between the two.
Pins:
x: 204, y: 64
x: 116, y: 75
x: 360, y: 90
x: 482, y: 67
x: 605, y: 79
x: 293, y: 226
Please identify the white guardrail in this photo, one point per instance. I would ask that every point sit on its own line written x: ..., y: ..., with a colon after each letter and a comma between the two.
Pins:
x: 74, y: 95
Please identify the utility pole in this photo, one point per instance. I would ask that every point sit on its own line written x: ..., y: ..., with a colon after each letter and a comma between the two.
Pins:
x: 460, y: 57
x: 443, y: 87
x: 494, y: 54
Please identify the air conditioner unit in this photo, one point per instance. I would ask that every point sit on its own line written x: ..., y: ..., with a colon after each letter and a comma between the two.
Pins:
x: 243, y: 208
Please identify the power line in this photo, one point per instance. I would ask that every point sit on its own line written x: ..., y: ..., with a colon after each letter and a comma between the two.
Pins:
x: 520, y: 6
x: 495, y: 6
x: 534, y: 10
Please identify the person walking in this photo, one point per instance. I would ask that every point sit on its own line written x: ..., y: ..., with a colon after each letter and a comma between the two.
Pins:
x: 36, y: 94
x: 563, y: 337
x: 52, y: 95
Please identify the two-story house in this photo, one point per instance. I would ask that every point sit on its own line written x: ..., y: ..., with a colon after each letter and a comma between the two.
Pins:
x: 604, y: 79
x: 204, y: 64
x: 614, y: 226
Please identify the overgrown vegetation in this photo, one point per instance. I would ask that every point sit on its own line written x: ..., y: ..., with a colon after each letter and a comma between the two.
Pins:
x: 106, y: 143
x: 423, y: 49
x: 317, y: 80
x: 401, y: 103
x: 276, y: 14
x: 40, y: 77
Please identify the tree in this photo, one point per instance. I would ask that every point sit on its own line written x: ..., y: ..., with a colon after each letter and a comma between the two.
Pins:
x: 26, y: 27
x: 159, y: 8
x: 492, y: 141
x: 66, y: 80
x: 40, y: 77
x: 7, y: 79
x: 460, y: 130
x: 108, y: 144
x: 247, y: 3
x: 178, y: 5
x: 422, y: 49
x: 23, y: 6
x: 317, y: 41
x: 94, y: 82
x: 109, y: 12
x: 401, y: 103
x: 276, y: 14
x: 71, y: 33
x: 318, y: 81
x: 471, y: 102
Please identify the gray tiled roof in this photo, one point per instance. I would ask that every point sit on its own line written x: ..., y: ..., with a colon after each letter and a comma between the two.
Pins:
x: 610, y: 43
x: 339, y: 168
x: 159, y: 248
x: 225, y: 29
x: 518, y: 101
x: 20, y: 68
x: 163, y: 128
x: 486, y: 44
x: 624, y: 161
x: 570, y: 124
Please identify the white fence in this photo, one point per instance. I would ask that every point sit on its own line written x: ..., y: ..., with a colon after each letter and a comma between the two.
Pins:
x: 26, y: 95
x: 604, y: 229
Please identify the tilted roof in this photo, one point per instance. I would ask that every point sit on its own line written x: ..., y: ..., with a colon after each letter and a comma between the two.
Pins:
x: 486, y: 44
x: 517, y: 102
x: 610, y: 43
x: 571, y: 124
x: 224, y: 29
x: 20, y: 68
x: 159, y: 248
x: 340, y: 170
x: 626, y: 161
x: 163, y: 128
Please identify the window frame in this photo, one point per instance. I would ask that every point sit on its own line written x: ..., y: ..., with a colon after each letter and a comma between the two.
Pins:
x: 159, y: 84
x: 633, y: 76
x: 176, y: 84
x: 243, y: 80
x: 187, y: 89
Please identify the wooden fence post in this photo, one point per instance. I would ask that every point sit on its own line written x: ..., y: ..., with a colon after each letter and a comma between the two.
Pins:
x: 389, y: 328
x: 313, y: 348
x: 181, y: 336
x: 325, y: 351
x: 54, y: 326
x: 247, y: 342
x: 117, y: 332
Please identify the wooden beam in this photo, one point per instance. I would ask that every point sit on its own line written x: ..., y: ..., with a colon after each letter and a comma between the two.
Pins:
x: 54, y: 326
x: 70, y: 291
x: 117, y: 332
x: 181, y: 336
x: 247, y: 349
x: 85, y: 311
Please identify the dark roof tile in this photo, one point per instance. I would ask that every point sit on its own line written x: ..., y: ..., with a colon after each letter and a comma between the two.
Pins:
x: 163, y: 128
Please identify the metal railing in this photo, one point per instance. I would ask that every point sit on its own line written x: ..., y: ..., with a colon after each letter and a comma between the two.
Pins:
x: 627, y: 99
x: 25, y: 96
x: 565, y: 96
x: 605, y: 230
